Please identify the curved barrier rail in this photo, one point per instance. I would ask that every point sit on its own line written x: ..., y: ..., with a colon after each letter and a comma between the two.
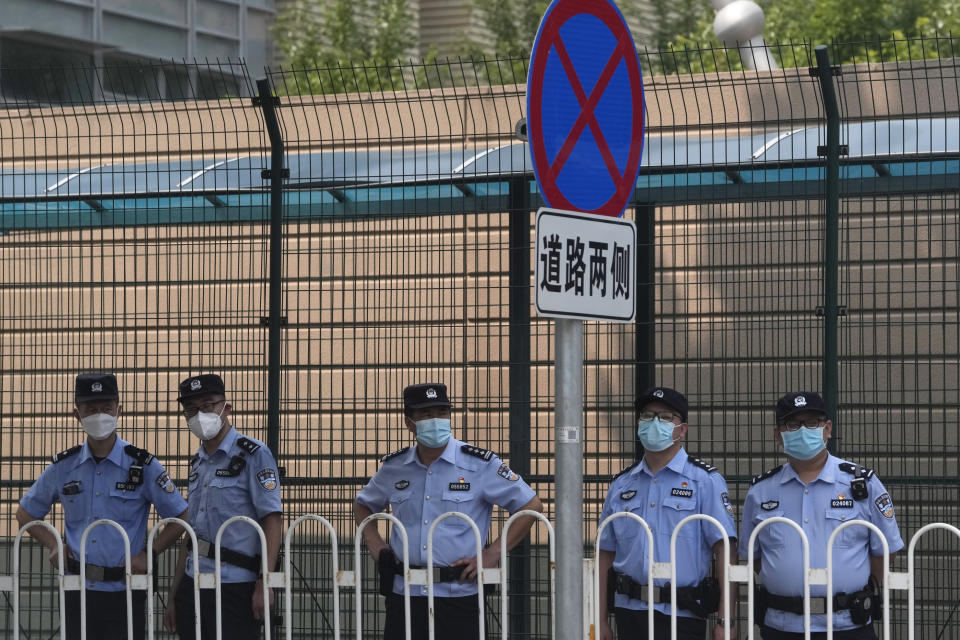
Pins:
x: 734, y: 574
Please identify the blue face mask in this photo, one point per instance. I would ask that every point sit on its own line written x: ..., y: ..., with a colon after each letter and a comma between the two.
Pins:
x: 656, y: 434
x: 803, y: 443
x: 433, y: 432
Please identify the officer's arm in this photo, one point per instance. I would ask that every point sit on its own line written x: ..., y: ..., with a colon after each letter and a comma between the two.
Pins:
x: 726, y: 610
x: 521, y: 526
x: 371, y: 535
x: 272, y: 525
x: 41, y: 534
x: 180, y: 569
x: 606, y: 564
x: 169, y: 535
x: 876, y: 566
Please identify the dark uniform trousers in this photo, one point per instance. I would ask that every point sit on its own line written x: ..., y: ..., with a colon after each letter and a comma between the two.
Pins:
x: 860, y: 633
x: 455, y: 619
x: 237, y: 612
x: 632, y: 625
x: 106, y: 615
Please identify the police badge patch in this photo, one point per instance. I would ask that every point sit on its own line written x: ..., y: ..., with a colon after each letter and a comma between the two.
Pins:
x: 505, y: 473
x: 165, y: 483
x: 770, y: 505
x: 267, y: 479
x: 726, y: 502
x: 400, y: 485
x: 885, y: 506
x: 626, y: 495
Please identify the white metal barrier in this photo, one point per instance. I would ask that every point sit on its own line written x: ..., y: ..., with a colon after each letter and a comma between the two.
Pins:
x: 737, y: 573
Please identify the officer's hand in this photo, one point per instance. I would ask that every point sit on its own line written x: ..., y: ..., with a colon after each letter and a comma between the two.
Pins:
x: 55, y: 555
x: 258, y: 600
x: 170, y: 616
x: 491, y: 558
x: 606, y: 633
x: 718, y: 632
x: 138, y: 563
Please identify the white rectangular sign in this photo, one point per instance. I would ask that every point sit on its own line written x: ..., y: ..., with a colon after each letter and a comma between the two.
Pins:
x: 586, y: 266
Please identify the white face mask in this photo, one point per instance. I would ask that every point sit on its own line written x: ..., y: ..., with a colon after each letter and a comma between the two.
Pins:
x: 99, y: 426
x: 204, y: 425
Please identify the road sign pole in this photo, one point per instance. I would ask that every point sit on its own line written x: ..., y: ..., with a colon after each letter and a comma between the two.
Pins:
x: 569, y: 479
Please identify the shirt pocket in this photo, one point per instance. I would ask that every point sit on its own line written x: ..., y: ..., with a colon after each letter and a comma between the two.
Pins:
x: 852, y: 536
x: 76, y: 506
x: 774, y: 536
x: 119, y: 504
x: 401, y: 505
x: 676, y: 509
x: 227, y: 497
x: 461, y: 502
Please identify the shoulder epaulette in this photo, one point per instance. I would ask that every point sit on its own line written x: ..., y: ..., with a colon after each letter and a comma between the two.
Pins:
x: 765, y: 475
x: 627, y: 470
x: 855, y: 471
x: 247, y: 445
x: 142, y: 456
x: 195, y: 459
x: 391, y: 456
x: 697, y: 462
x: 476, y: 452
x: 63, y: 455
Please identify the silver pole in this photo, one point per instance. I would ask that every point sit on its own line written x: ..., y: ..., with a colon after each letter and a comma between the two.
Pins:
x: 569, y: 479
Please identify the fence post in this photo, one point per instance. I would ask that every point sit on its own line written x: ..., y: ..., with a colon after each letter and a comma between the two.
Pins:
x: 520, y: 401
x: 275, y: 174
x: 646, y: 294
x: 831, y: 262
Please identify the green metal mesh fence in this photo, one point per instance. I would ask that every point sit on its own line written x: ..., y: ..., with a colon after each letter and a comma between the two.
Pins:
x: 135, y: 238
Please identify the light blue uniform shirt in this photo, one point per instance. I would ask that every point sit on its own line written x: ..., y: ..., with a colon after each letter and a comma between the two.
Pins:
x: 89, y: 491
x: 465, y: 479
x: 684, y: 487
x: 819, y: 508
x: 254, y: 492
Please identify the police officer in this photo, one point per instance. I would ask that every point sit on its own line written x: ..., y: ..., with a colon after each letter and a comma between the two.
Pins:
x: 819, y: 492
x: 106, y: 477
x: 436, y: 475
x: 230, y: 475
x: 665, y: 486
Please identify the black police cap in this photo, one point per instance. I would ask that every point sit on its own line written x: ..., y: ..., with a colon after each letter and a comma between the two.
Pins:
x: 794, y: 403
x: 421, y: 396
x: 670, y: 397
x: 95, y: 385
x: 202, y: 385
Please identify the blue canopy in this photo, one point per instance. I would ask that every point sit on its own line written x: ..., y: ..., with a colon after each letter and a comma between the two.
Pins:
x: 891, y: 156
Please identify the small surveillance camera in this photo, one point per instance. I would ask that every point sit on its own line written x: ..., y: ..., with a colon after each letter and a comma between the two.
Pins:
x: 520, y: 129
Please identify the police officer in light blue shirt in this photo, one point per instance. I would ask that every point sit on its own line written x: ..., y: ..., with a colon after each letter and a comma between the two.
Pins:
x: 437, y: 475
x: 664, y: 487
x: 230, y: 475
x: 104, y: 478
x: 819, y: 492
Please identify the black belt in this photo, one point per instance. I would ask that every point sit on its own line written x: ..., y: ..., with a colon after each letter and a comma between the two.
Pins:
x: 97, y: 573
x: 627, y: 586
x: 440, y: 574
x: 207, y: 549
x: 818, y: 604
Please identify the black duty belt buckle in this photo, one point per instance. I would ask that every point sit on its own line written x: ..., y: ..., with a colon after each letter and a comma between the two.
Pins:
x: 205, y: 548
x: 95, y: 572
x: 818, y: 606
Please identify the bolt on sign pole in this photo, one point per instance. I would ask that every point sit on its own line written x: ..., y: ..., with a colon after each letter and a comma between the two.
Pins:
x: 586, y: 160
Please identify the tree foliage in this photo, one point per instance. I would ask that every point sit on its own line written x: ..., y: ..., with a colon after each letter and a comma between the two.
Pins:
x: 859, y: 30
x: 345, y: 45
